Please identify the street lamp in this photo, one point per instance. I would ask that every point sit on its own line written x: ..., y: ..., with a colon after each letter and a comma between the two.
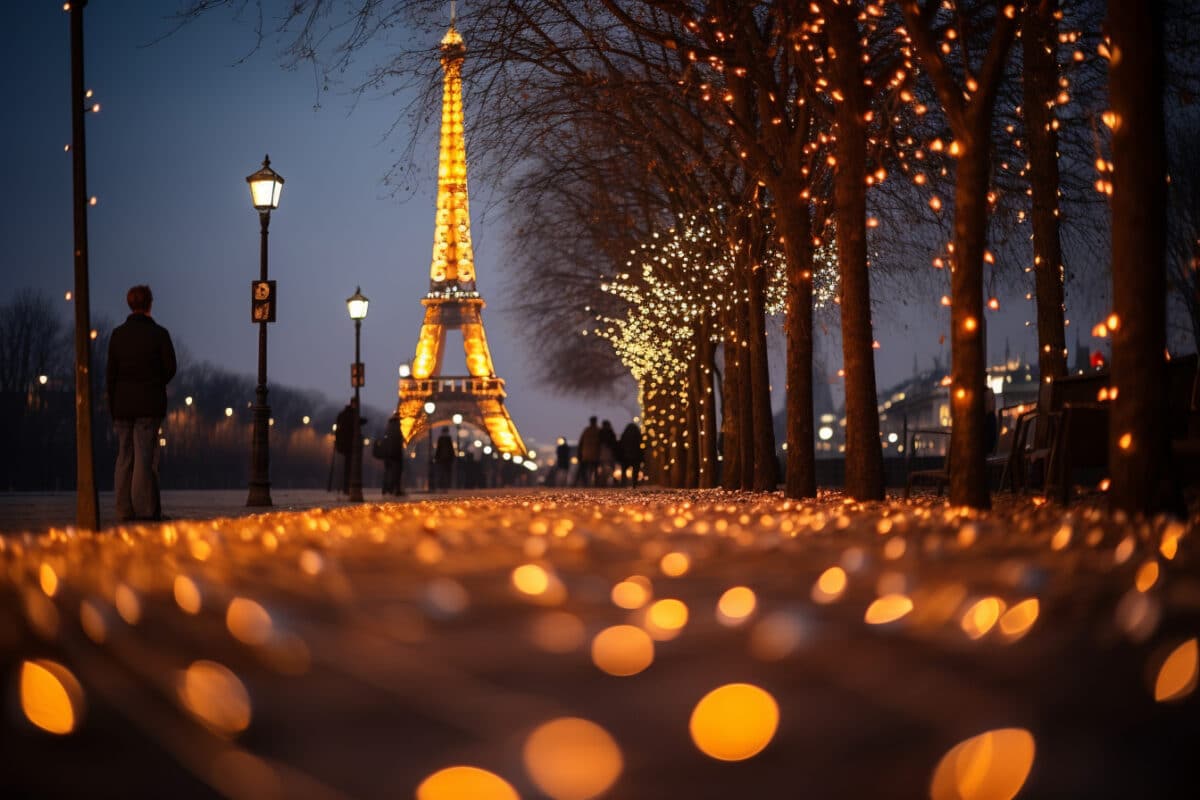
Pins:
x: 458, y: 476
x: 356, y: 304
x: 430, y: 407
x: 265, y: 187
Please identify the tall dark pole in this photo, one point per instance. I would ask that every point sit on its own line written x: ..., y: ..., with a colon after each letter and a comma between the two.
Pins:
x: 356, y: 447
x: 260, y: 456
x: 87, y: 513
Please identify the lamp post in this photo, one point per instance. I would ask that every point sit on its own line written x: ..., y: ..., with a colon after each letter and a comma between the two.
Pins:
x: 357, y: 305
x: 265, y: 187
x: 458, y: 476
x: 430, y: 407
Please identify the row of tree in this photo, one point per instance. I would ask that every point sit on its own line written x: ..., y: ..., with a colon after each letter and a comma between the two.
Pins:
x: 674, y: 165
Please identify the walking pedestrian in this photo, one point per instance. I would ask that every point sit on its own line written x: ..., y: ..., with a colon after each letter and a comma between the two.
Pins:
x: 343, y: 438
x: 141, y: 362
x: 562, y: 463
x: 608, y: 454
x: 631, y: 453
x: 588, y: 452
x: 443, y: 458
x: 390, y: 448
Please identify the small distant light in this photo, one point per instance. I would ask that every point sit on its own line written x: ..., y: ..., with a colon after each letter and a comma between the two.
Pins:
x: 366, y: 442
x: 67, y: 296
x: 66, y: 6
x: 893, y: 438
x: 305, y: 419
x: 88, y: 94
x: 93, y: 200
x: 477, y: 444
x: 95, y: 333
x: 162, y: 442
x: 95, y: 108
x: 228, y: 411
x: 270, y: 420
x: 487, y: 449
x: 42, y: 379
x: 405, y: 370
x: 66, y: 148
x: 187, y: 401
x: 334, y: 428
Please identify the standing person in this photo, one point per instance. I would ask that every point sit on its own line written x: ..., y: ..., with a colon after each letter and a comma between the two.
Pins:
x: 562, y: 462
x: 608, y: 454
x: 588, y: 451
x: 141, y: 362
x: 343, y: 439
x: 443, y: 458
x: 631, y: 453
x: 390, y: 448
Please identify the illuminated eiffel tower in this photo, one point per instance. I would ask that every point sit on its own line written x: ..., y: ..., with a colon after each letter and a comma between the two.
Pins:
x: 452, y: 302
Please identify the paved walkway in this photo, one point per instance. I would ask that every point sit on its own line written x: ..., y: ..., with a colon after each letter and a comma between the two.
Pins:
x: 567, y: 645
x: 38, y: 511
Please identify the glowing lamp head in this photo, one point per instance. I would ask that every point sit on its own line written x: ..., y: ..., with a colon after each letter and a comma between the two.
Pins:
x: 357, y: 304
x: 457, y: 418
x: 265, y: 187
x: 430, y: 407
x: 405, y: 370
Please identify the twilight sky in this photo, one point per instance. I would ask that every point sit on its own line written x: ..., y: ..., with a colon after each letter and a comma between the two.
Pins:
x: 180, y: 128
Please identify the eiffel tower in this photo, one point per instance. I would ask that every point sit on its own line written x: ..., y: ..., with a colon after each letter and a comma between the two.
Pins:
x: 453, y: 302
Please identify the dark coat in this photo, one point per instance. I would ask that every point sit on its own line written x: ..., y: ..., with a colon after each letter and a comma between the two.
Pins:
x: 141, y: 362
x: 631, y: 445
x: 444, y: 454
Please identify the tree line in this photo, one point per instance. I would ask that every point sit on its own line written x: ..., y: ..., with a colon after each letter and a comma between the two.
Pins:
x: 678, y: 169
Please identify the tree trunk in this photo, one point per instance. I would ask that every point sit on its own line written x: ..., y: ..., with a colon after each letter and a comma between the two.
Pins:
x: 765, y: 467
x: 1040, y: 38
x: 864, y: 454
x: 968, y: 473
x: 731, y: 396
x: 1138, y: 434
x: 745, y: 420
x: 707, y: 445
x: 792, y: 216
x: 692, y: 429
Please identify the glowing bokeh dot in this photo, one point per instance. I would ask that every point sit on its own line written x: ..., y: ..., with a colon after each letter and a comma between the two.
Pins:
x: 991, y: 766
x: 736, y: 605
x: 1177, y: 676
x: 622, y: 650
x: 463, y: 782
x: 51, y: 697
x: 666, y: 618
x: 734, y: 722
x: 216, y: 696
x: 572, y: 759
x: 888, y: 608
x: 530, y: 579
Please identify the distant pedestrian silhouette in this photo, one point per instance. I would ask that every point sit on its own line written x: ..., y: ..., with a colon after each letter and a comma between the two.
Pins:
x: 343, y: 439
x: 588, y: 451
x: 443, y: 459
x: 390, y: 448
x: 607, y: 460
x: 630, y: 451
x: 562, y: 463
x: 141, y: 362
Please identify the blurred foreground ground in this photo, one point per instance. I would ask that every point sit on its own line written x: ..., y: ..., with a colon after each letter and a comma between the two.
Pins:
x: 896, y: 650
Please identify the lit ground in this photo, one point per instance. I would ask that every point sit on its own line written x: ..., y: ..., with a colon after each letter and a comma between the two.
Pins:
x: 357, y: 652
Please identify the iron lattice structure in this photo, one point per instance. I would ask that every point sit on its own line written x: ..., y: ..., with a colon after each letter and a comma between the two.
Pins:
x: 453, y: 302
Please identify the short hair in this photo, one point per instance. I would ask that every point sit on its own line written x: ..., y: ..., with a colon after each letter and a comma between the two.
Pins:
x: 139, y: 298
x: 592, y: 420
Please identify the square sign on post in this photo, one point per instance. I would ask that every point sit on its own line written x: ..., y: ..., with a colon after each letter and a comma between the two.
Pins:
x: 262, y: 301
x: 357, y: 375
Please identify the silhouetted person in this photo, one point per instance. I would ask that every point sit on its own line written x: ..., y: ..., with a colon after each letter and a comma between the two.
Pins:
x: 443, y: 459
x: 630, y: 450
x: 608, y: 454
x: 141, y: 362
x: 390, y: 448
x: 562, y: 462
x: 343, y: 439
x: 588, y: 451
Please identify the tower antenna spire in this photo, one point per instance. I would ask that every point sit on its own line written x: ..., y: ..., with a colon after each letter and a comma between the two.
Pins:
x: 453, y: 11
